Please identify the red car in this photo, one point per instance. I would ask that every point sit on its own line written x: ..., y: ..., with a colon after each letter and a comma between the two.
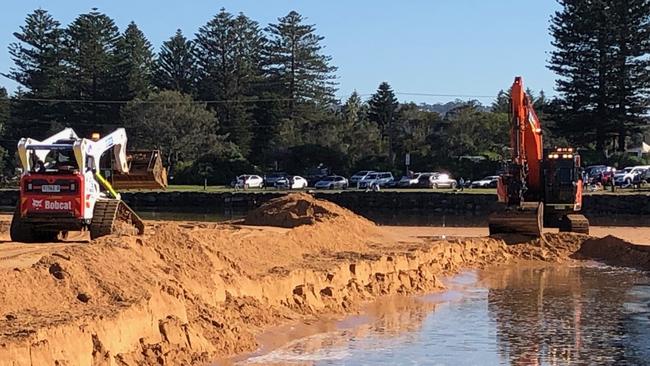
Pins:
x: 602, y: 174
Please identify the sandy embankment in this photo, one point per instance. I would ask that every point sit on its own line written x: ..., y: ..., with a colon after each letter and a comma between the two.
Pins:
x: 188, y: 293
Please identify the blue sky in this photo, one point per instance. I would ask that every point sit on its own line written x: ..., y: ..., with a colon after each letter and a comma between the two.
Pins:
x: 461, y: 47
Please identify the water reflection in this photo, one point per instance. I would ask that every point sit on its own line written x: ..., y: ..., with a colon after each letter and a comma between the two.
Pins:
x: 519, y: 315
x: 559, y: 315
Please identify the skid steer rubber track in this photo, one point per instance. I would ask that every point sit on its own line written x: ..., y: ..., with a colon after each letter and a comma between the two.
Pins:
x: 525, y: 220
x: 574, y: 223
x: 110, y: 216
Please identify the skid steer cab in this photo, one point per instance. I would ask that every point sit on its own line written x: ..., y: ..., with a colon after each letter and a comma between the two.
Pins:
x: 61, y: 189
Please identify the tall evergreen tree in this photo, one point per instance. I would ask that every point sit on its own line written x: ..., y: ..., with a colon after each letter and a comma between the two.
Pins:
x: 4, y: 119
x: 228, y: 53
x: 176, y: 65
x: 383, y: 111
x: 600, y: 55
x: 92, y: 42
x: 134, y: 63
x: 37, y: 56
x: 502, y: 102
x: 39, y: 68
x: 631, y: 20
x: 294, y: 61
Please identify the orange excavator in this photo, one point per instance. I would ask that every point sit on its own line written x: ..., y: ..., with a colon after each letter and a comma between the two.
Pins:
x: 537, y: 188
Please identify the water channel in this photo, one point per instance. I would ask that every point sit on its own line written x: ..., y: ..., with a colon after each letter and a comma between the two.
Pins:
x: 558, y: 314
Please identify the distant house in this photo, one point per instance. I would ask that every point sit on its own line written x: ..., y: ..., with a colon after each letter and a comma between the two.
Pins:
x: 639, y: 150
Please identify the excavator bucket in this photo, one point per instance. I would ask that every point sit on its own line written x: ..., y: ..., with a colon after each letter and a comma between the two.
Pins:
x: 526, y: 219
x: 146, y: 171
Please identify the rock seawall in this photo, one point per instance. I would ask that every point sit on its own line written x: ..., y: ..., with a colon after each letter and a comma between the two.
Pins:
x: 358, y: 201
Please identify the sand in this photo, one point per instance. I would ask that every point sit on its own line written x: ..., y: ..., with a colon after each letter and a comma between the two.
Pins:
x: 187, y: 293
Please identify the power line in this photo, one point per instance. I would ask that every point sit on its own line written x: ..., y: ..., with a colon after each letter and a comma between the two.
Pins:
x: 224, y: 101
x: 137, y: 101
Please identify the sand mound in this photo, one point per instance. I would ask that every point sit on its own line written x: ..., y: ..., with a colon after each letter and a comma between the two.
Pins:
x: 294, y: 210
x: 186, y: 293
x: 616, y: 251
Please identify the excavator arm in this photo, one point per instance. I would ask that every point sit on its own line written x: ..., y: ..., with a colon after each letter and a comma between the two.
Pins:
x: 522, y: 180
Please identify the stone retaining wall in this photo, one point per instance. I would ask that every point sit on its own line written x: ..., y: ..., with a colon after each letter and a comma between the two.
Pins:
x: 450, y: 203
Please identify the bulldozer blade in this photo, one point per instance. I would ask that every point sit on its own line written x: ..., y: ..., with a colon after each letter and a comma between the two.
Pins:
x: 146, y: 171
x: 521, y: 220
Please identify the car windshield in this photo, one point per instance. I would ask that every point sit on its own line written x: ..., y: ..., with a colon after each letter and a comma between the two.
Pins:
x: 328, y: 179
x: 372, y: 176
x: 361, y: 173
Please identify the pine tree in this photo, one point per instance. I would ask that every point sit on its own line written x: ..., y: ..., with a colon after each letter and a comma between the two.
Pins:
x: 294, y: 61
x: 631, y: 22
x: 383, y: 112
x: 37, y: 56
x: 600, y: 55
x: 134, y: 63
x: 92, y: 42
x: 4, y: 119
x: 176, y: 65
x: 502, y: 103
x: 39, y: 68
x: 228, y: 54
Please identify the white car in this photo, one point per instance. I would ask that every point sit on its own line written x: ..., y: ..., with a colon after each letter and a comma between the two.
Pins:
x: 248, y: 181
x: 332, y: 182
x: 291, y: 182
x: 487, y: 182
x: 379, y: 178
x: 444, y: 181
x: 627, y: 176
x: 356, y: 177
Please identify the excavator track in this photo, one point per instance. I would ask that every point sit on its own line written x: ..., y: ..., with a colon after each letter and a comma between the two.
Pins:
x: 526, y: 220
x: 575, y: 223
x: 113, y: 216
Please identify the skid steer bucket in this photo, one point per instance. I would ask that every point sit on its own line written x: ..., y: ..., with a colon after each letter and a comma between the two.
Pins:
x: 146, y: 171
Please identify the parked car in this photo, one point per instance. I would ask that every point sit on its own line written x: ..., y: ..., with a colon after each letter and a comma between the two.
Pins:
x: 408, y: 182
x: 628, y: 175
x: 314, y: 175
x: 602, y: 174
x: 487, y: 182
x: 426, y: 180
x: 642, y: 177
x: 271, y: 178
x: 382, y: 179
x: 356, y: 177
x: 444, y: 181
x: 332, y: 182
x: 248, y: 181
x: 291, y: 182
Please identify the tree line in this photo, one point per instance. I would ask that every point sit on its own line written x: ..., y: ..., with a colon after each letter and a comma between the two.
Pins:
x: 237, y: 96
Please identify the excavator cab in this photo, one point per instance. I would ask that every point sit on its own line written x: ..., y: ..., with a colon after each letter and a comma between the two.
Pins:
x: 563, y: 185
x: 146, y: 171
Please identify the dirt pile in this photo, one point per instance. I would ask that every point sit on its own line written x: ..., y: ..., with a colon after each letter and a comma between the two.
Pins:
x: 615, y: 251
x: 186, y: 293
x: 297, y: 209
